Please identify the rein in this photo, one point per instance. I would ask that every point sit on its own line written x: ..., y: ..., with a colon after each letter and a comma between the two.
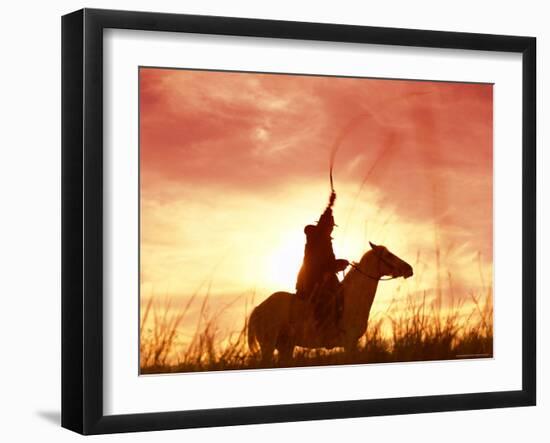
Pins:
x: 354, y: 266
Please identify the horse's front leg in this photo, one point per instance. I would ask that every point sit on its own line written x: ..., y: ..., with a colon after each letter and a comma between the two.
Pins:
x: 351, y: 348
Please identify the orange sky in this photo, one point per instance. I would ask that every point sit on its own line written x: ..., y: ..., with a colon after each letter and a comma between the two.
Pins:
x: 234, y: 165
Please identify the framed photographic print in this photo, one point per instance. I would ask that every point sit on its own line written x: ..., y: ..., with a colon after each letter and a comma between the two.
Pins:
x: 269, y: 221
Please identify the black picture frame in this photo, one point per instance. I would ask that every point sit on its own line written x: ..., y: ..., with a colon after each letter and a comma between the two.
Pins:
x: 82, y: 218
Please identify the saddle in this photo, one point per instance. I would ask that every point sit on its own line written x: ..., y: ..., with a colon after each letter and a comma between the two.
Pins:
x: 326, y: 303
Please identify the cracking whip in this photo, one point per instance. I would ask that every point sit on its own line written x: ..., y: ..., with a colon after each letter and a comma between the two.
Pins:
x: 337, y: 143
x: 353, y: 123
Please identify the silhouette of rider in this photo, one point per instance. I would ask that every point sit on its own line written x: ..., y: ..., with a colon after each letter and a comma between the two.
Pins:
x: 317, y: 280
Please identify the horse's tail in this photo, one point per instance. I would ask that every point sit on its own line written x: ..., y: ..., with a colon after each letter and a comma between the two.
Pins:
x: 252, y: 332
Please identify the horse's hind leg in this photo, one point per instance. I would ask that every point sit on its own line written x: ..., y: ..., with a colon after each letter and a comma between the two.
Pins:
x: 285, y: 348
x: 285, y: 353
x: 267, y: 350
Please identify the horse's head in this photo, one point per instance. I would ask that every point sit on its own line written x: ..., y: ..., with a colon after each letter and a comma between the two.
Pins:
x: 388, y: 263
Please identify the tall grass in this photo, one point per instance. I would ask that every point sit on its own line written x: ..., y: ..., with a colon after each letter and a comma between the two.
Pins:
x: 410, y: 329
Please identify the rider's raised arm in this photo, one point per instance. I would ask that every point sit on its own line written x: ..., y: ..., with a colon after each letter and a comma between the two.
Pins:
x: 327, y: 220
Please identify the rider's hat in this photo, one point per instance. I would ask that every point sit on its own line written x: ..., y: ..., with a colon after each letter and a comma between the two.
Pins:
x: 309, y: 229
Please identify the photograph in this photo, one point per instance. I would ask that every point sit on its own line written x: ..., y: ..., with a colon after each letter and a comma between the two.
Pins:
x: 302, y: 220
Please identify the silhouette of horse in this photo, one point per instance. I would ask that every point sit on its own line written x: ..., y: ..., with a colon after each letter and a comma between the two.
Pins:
x: 284, y: 321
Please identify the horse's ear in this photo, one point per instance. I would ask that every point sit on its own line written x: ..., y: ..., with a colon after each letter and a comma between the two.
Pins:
x: 372, y: 245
